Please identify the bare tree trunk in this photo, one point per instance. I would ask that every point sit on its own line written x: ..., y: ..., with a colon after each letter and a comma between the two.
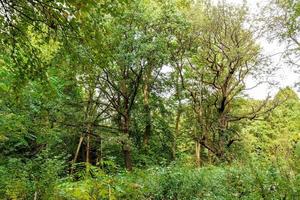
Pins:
x: 99, y: 154
x: 210, y: 157
x: 177, y: 122
x: 88, y: 148
x: 148, y: 127
x: 197, y: 153
x: 76, y: 153
x: 127, y: 156
x: 126, y: 147
x: 35, y: 195
x: 178, y: 117
x: 223, y: 124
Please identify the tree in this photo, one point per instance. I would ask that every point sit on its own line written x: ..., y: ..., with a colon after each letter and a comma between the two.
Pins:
x: 226, y: 55
x: 281, y: 22
x: 277, y: 134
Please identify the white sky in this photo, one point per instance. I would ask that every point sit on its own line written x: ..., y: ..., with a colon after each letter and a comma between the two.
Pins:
x: 285, y: 76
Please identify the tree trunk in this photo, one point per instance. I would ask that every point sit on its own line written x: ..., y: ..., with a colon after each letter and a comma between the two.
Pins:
x: 76, y: 153
x: 125, y: 120
x: 99, y: 154
x: 126, y: 148
x: 148, y: 127
x: 177, y: 122
x: 87, y: 149
x: 35, y: 195
x: 178, y: 116
x: 210, y: 157
x: 197, y: 153
x: 127, y: 156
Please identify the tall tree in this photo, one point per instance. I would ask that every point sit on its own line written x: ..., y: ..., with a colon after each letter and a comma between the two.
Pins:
x: 226, y: 55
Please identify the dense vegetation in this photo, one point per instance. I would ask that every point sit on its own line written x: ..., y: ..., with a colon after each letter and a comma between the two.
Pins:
x: 145, y: 99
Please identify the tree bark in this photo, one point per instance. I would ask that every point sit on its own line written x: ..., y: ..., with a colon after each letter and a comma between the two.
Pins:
x: 210, y: 157
x: 147, y: 110
x: 127, y: 156
x: 88, y: 148
x: 76, y: 153
x: 148, y: 127
x: 99, y: 154
x: 178, y: 117
x: 197, y: 153
x: 35, y: 195
x: 177, y: 122
x: 126, y: 147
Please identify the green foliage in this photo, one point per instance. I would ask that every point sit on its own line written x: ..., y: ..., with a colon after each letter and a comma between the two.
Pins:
x: 255, y: 179
x: 86, y: 88
x: 22, y: 178
x: 278, y: 132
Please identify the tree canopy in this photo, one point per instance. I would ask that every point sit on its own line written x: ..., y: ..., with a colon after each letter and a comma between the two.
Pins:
x: 144, y: 99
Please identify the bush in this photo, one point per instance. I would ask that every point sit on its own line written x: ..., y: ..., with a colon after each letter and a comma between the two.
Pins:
x: 24, y: 178
x: 255, y: 179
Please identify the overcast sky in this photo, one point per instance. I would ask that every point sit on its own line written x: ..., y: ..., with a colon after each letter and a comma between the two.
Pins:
x: 285, y: 75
